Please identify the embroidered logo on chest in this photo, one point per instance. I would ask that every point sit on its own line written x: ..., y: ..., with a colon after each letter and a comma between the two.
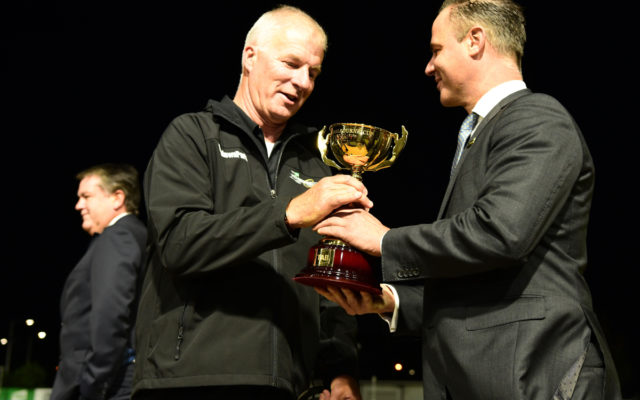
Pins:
x: 232, y: 154
x: 295, y: 176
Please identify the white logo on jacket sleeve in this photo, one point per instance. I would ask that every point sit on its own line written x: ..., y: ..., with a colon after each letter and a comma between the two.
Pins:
x: 295, y: 176
x: 232, y: 154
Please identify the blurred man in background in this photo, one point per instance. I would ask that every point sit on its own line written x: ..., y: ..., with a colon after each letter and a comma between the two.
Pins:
x: 99, y: 298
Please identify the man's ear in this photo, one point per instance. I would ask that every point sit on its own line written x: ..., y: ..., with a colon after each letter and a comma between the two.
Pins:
x: 118, y: 199
x: 248, y: 57
x: 476, y: 40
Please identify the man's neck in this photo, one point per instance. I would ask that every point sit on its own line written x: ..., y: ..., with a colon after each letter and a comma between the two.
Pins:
x: 490, y: 78
x: 271, y: 132
x: 117, y: 217
x: 271, y: 135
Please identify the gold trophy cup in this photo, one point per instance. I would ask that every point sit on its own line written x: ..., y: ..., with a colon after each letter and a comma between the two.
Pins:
x: 357, y: 148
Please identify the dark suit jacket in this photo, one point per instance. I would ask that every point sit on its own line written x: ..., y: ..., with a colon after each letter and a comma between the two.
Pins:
x: 506, y: 310
x: 98, y: 312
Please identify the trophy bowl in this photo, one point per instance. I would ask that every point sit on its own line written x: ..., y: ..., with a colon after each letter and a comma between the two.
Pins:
x: 357, y: 148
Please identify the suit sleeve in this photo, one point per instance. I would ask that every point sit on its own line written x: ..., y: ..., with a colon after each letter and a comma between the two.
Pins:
x: 192, y: 234
x: 114, y: 269
x: 498, y: 211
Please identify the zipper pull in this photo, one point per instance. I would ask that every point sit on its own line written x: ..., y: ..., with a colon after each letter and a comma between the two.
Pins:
x: 273, y: 194
x: 179, y: 342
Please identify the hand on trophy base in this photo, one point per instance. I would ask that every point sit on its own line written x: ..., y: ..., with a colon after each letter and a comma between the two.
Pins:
x: 334, y: 263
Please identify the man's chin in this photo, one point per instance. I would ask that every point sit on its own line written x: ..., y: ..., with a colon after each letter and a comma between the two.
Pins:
x: 284, y: 113
x: 447, y: 101
x: 89, y: 228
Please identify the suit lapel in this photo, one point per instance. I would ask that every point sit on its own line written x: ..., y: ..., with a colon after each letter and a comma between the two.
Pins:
x: 492, y: 114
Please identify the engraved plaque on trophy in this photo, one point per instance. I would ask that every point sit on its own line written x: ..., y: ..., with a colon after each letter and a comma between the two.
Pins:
x: 356, y: 148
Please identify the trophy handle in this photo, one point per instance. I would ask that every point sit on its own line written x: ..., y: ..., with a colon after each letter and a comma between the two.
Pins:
x: 322, y: 146
x: 399, y: 144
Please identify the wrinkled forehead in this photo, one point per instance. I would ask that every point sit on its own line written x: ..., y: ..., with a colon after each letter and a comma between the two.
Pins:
x: 304, y: 45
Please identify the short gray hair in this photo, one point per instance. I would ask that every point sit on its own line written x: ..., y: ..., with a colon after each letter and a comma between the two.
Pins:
x: 282, y: 17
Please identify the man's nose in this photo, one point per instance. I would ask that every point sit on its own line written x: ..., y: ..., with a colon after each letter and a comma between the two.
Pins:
x: 302, y: 79
x: 430, y: 69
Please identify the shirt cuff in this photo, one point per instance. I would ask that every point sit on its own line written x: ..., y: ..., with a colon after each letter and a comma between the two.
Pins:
x: 392, y: 319
x: 381, y: 239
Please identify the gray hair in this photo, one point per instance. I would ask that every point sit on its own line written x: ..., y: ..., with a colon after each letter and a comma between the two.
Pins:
x: 282, y: 17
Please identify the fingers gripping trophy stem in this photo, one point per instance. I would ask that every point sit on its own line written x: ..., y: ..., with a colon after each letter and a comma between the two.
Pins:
x: 329, y: 194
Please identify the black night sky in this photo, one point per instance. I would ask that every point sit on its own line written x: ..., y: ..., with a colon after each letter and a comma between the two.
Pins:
x: 81, y: 85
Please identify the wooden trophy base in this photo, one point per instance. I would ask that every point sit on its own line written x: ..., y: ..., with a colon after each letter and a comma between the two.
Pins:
x: 334, y: 263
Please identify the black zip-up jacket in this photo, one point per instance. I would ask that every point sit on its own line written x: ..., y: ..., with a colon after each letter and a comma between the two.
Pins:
x: 218, y: 305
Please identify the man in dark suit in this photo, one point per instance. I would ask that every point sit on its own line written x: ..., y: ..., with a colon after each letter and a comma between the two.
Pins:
x: 502, y: 305
x: 100, y: 295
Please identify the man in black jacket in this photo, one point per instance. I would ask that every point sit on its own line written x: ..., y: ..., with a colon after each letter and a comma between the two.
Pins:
x: 99, y: 298
x: 229, y: 191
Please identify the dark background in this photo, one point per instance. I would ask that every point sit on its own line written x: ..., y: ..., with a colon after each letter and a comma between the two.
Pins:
x: 84, y: 84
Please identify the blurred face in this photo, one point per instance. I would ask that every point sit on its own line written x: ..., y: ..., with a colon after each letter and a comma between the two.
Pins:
x: 96, y: 206
x: 448, y: 63
x: 282, y: 73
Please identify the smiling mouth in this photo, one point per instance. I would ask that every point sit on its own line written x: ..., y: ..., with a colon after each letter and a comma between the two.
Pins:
x: 290, y: 97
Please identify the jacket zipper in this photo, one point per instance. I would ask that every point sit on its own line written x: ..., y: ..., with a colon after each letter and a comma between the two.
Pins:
x: 276, y: 267
x: 176, y: 357
x: 273, y: 191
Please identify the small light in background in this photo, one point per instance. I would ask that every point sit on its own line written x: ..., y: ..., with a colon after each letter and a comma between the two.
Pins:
x: 42, y: 335
x: 398, y: 367
x: 29, y: 322
x: 4, y: 341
